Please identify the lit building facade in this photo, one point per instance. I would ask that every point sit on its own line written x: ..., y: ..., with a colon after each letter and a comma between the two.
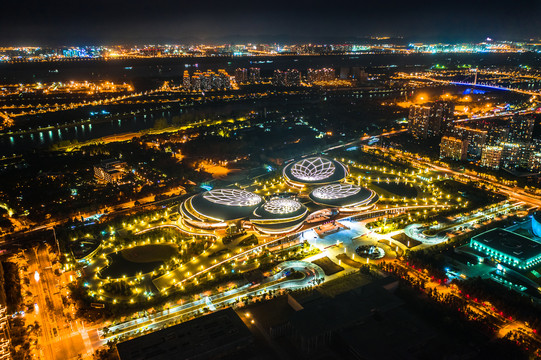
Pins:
x: 314, y: 171
x: 491, y: 157
x: 110, y: 171
x: 280, y: 214
x: 453, y: 148
x: 430, y: 119
x: 241, y: 75
x: 254, y: 75
x: 508, y: 248
x: 515, y: 155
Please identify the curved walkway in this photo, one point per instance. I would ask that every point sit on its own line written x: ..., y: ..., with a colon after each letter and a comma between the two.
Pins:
x: 415, y: 231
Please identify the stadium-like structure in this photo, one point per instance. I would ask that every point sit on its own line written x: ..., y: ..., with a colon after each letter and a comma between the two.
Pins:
x: 323, y: 177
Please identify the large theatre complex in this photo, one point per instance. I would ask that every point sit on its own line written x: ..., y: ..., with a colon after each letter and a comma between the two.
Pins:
x: 316, y: 185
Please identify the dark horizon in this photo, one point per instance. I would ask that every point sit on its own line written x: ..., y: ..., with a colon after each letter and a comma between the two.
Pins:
x: 53, y: 23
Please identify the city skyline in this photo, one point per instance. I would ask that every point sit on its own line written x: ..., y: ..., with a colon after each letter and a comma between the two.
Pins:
x: 270, y: 180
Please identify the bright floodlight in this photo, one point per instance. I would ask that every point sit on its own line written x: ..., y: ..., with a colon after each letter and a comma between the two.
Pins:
x: 282, y: 206
x: 232, y: 197
x: 336, y: 191
x: 312, y: 169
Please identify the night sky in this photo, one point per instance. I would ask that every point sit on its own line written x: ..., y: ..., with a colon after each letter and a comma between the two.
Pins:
x: 79, y: 22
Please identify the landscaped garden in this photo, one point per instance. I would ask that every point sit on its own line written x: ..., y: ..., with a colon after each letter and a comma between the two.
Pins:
x: 138, y: 260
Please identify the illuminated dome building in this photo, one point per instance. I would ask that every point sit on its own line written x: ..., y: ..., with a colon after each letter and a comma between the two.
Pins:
x: 215, y: 208
x: 347, y: 197
x: 314, y: 171
x: 279, y: 215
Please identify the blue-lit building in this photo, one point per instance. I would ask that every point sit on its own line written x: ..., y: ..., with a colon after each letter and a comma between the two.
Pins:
x: 536, y: 223
x: 509, y: 248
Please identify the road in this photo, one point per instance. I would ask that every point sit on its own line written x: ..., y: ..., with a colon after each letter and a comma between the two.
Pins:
x: 60, y: 339
x: 513, y: 193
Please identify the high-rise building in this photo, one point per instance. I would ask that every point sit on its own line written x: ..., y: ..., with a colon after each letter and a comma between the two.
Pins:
x: 453, y: 148
x: 476, y: 138
x: 206, y: 81
x: 515, y: 155
x: 279, y: 78
x: 418, y: 121
x: 441, y: 114
x: 254, y: 75
x: 430, y: 119
x: 491, y: 156
x: 311, y: 76
x: 186, y: 84
x: 324, y: 74
x: 225, y: 79
x: 344, y: 73
x: 293, y: 77
x: 496, y: 134
x: 359, y: 74
x: 521, y: 129
x: 534, y: 163
x: 241, y: 75
x: 196, y: 80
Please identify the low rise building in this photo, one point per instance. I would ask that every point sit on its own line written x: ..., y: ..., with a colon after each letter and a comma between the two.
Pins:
x: 509, y: 248
x: 110, y: 171
x: 219, y: 335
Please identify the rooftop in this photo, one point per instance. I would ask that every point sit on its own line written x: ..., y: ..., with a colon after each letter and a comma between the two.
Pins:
x: 325, y: 314
x: 509, y: 243
x: 206, y: 337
